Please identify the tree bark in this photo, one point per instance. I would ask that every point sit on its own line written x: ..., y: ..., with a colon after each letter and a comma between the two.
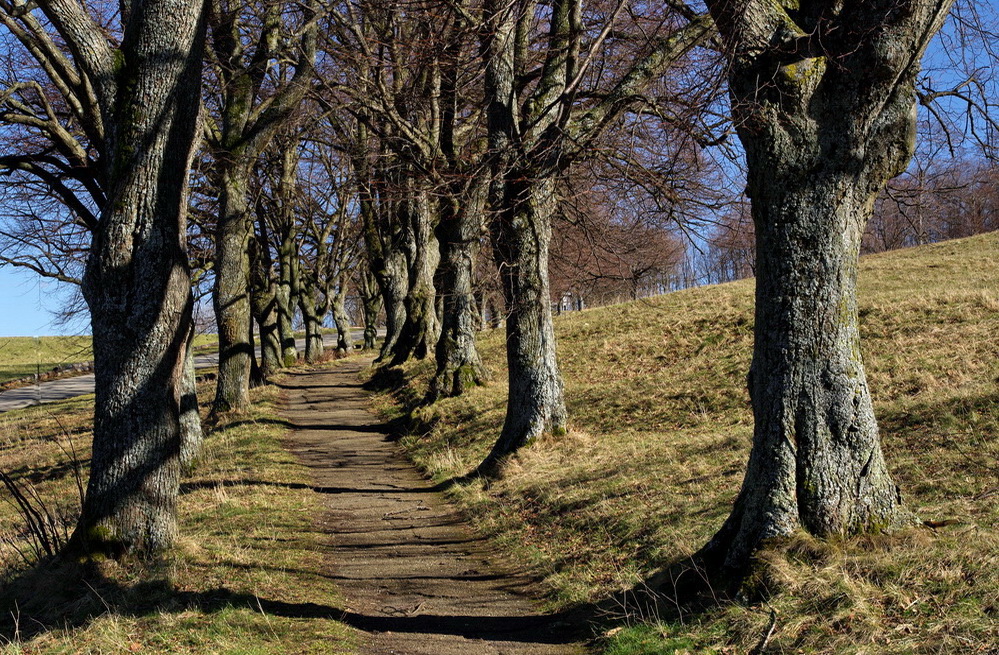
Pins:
x: 823, y: 132
x: 421, y: 328
x: 521, y: 234
x: 191, y: 434
x: 246, y: 126
x: 285, y: 298
x: 137, y: 284
x: 372, y: 303
x: 313, y: 322
x: 231, y: 294
x: 522, y: 201
x: 338, y: 305
x: 288, y: 255
x: 393, y: 280
x: 265, y: 314
x: 458, y: 364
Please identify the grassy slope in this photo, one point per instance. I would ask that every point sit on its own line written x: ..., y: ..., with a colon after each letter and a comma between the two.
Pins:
x: 660, y: 433
x: 248, y: 575
x: 24, y: 356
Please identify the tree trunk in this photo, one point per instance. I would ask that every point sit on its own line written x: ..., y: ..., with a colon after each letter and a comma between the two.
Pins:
x: 521, y: 232
x: 393, y: 280
x: 191, y: 435
x: 816, y: 461
x: 458, y: 364
x: 372, y: 303
x: 495, y: 316
x: 313, y: 322
x: 231, y: 298
x: 137, y: 285
x: 288, y: 256
x: 265, y: 313
x: 823, y: 133
x: 285, y: 297
x: 344, y: 339
x: 421, y: 328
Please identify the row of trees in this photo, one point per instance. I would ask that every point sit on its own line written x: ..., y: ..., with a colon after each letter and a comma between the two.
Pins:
x: 423, y: 131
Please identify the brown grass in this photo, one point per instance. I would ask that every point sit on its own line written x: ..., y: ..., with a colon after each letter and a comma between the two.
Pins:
x: 661, y: 428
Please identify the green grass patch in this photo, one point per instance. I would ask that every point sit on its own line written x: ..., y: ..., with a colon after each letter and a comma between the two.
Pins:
x: 660, y: 434
x: 248, y: 574
x: 21, y: 357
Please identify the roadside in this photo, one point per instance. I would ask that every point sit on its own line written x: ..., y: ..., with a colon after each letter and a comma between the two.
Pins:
x: 71, y: 380
x: 416, y: 579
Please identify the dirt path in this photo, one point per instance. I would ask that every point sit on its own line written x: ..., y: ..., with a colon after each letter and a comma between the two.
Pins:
x: 416, y: 579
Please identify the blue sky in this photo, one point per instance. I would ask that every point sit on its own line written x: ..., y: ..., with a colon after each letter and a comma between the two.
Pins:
x: 27, y: 303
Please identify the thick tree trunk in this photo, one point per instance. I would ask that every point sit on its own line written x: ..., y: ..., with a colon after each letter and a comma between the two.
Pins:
x: 521, y: 232
x: 372, y: 303
x: 288, y: 256
x: 393, y: 280
x: 231, y: 298
x: 338, y: 305
x: 137, y: 286
x: 421, y: 328
x: 313, y: 322
x: 816, y: 461
x: 458, y: 364
x: 823, y: 133
x: 265, y: 313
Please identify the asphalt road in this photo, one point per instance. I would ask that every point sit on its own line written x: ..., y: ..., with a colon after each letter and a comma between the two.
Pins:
x: 53, y: 390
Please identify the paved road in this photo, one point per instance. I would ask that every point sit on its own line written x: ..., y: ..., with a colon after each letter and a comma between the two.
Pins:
x: 47, y: 392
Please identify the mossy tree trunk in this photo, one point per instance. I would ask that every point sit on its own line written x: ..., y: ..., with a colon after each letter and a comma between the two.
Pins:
x: 421, y: 327
x: 458, y: 364
x: 520, y: 224
x: 521, y: 231
x: 533, y: 140
x: 338, y: 307
x: 313, y: 321
x: 288, y: 252
x: 263, y: 302
x: 824, y: 104
x: 137, y: 282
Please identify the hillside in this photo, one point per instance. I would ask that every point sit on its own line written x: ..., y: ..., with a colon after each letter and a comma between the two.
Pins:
x: 660, y: 435
x: 660, y: 431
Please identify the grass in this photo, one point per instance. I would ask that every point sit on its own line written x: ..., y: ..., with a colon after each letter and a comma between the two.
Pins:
x: 25, y: 356
x: 247, y: 576
x: 660, y: 432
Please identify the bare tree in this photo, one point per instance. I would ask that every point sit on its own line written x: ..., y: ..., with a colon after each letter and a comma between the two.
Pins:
x: 137, y: 281
x: 108, y: 115
x: 823, y: 98
x: 255, y: 99
x: 549, y: 97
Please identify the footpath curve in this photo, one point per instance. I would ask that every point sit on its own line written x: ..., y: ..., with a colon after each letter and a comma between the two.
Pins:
x: 417, y: 580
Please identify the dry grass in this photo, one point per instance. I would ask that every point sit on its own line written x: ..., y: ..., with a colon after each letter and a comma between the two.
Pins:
x: 661, y: 431
x: 248, y: 575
